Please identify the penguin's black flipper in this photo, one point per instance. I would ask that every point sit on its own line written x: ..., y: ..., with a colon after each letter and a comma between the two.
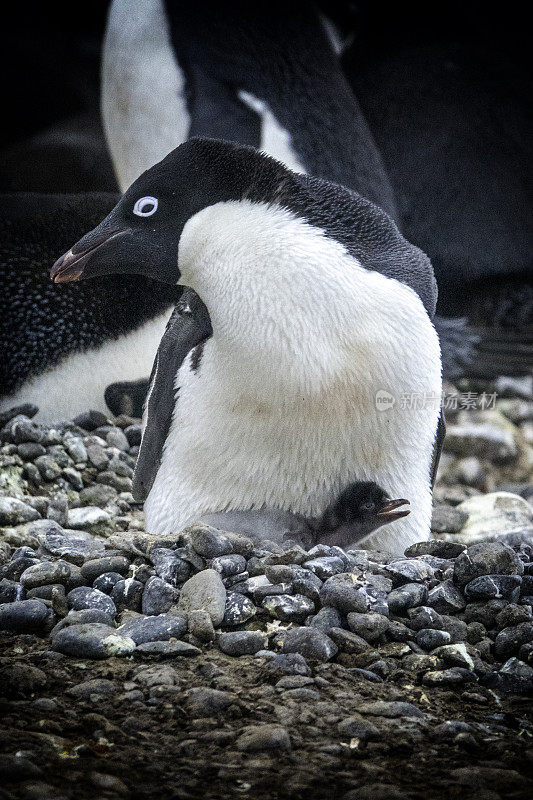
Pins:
x: 437, y: 447
x: 188, y: 326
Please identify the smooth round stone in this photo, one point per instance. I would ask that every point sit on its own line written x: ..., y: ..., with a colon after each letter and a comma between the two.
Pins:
x: 310, y: 643
x: 486, y: 558
x: 445, y: 519
x: 82, y: 617
x: 97, y: 456
x: 206, y: 702
x: 487, y: 586
x: 90, y: 420
x: 28, y: 451
x: 92, y: 640
x: 347, y: 641
x: 76, y: 449
x: 429, y: 639
x: 238, y: 610
x: 16, y: 567
x: 159, y: 628
x: 357, y: 727
x: 341, y: 592
x: 104, y: 583
x: 85, y: 597
x: 44, y: 573
x: 48, y: 467
x: 47, y: 592
x: 158, y: 596
x: 127, y: 594
x: 25, y: 616
x: 240, y: 643
x: 23, y: 429
x: 280, y: 573
x: 206, y: 591
x: 289, y: 608
x: 407, y: 596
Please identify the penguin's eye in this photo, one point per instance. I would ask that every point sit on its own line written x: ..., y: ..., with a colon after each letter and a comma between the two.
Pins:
x: 145, y: 206
x: 368, y: 506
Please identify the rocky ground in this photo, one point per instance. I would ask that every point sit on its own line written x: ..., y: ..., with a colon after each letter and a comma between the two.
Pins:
x: 205, y: 665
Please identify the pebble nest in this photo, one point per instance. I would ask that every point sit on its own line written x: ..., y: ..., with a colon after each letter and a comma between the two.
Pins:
x: 283, y: 672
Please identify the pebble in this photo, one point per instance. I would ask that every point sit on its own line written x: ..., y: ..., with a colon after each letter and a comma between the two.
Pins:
x: 104, y: 583
x: 201, y: 626
x: 15, y: 512
x: 310, y: 643
x: 407, y: 596
x: 445, y: 519
x: 409, y: 570
x: 25, y: 616
x: 168, y: 649
x: 287, y: 664
x: 89, y: 690
x: 445, y: 598
x: 289, y: 608
x: 342, y: 592
x: 158, y: 628
x: 371, y: 627
x: 255, y: 738
x: 238, y: 610
x: 170, y: 567
x: 239, y: 643
x: 486, y: 558
x: 158, y: 596
x: 95, y: 567
x: 127, y: 594
x: 391, y: 709
x: 487, y: 586
x: 87, y: 517
x: 92, y: 640
x: 204, y: 591
x: 86, y: 597
x: 429, y: 639
x: 325, y: 567
x: 204, y: 702
x: 210, y: 542
x: 45, y: 572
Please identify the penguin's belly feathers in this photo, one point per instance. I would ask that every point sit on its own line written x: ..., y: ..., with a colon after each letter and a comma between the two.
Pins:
x: 282, y: 411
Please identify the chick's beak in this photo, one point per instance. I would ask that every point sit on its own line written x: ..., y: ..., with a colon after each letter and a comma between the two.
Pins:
x: 70, y: 266
x: 390, y: 510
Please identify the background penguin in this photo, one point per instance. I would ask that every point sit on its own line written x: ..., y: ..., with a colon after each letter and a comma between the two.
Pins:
x: 60, y: 350
x: 213, y: 71
x: 316, y: 303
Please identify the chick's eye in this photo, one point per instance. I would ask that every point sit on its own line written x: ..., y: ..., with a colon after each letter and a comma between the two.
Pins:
x: 145, y: 206
x: 369, y: 506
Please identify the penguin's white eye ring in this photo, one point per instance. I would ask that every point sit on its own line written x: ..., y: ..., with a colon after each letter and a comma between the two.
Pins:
x: 145, y: 206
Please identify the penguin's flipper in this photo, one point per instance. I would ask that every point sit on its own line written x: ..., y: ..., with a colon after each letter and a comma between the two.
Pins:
x: 188, y: 326
x: 437, y: 447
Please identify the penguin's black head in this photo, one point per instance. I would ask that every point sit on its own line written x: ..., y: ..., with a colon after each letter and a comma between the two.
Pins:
x: 142, y: 233
x: 363, y: 502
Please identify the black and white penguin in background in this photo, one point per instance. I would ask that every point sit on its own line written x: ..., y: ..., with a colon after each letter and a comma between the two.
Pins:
x: 316, y: 303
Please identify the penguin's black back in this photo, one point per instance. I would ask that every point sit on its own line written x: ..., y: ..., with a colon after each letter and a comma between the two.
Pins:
x: 41, y: 323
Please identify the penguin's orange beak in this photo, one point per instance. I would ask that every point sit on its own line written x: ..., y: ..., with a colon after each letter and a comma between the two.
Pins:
x: 70, y: 266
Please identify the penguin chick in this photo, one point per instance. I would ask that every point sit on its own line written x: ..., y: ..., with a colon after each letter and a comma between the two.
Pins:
x: 359, y: 510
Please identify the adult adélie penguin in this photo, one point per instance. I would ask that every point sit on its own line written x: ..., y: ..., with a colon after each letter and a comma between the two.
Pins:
x: 316, y: 304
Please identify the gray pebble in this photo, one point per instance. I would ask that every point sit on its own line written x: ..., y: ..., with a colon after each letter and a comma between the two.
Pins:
x: 86, y: 597
x: 326, y: 619
x: 407, y: 596
x: 91, y: 569
x: 371, y: 627
x: 487, y: 586
x: 127, y: 594
x: 342, y: 592
x: 158, y: 628
x: 92, y: 640
x: 15, y: 512
x: 240, y: 643
x: 204, y: 591
x: 204, y: 702
x: 158, y: 596
x: 289, y: 608
x: 428, y: 638
x: 25, y: 616
x: 486, y: 558
x: 238, y: 610
x: 310, y: 643
x: 45, y: 572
